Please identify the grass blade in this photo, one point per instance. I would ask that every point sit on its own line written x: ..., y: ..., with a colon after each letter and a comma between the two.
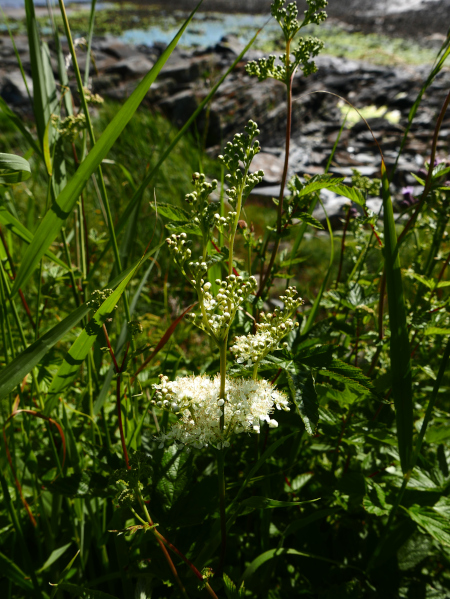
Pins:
x: 65, y: 202
x: 16, y: 227
x: 400, y: 351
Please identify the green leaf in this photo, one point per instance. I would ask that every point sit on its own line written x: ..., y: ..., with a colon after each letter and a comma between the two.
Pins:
x: 304, y: 395
x: 352, y: 193
x: 436, y: 331
x: 436, y: 524
x: 13, y: 169
x: 9, y: 569
x: 231, y: 591
x: 175, y: 475
x: 65, y: 202
x: 272, y: 553
x: 304, y: 217
x: 350, y: 375
x: 400, y: 350
x: 14, y: 373
x: 186, y: 227
x: 263, y: 503
x: 54, y: 555
x: 308, y: 188
x: 16, y: 227
x: 172, y: 212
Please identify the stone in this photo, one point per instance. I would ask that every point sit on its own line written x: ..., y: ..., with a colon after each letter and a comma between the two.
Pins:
x: 13, y: 89
x: 134, y: 66
x: 179, y: 107
x: 271, y: 165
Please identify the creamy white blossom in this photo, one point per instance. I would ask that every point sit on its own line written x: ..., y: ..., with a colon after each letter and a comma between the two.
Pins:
x: 269, y: 332
x: 197, y: 401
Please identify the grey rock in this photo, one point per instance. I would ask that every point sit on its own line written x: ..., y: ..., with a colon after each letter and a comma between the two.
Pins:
x: 13, y: 89
x: 271, y: 165
x: 179, y: 107
x: 131, y: 67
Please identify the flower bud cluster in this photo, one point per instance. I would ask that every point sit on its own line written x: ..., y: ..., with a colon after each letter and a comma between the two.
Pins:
x: 218, y: 312
x: 287, y: 17
x: 265, y: 68
x: 272, y: 328
x: 91, y: 98
x: 98, y: 297
x: 197, y: 401
x: 237, y: 154
x: 199, y: 198
x: 178, y: 247
x: 225, y: 223
x: 71, y: 126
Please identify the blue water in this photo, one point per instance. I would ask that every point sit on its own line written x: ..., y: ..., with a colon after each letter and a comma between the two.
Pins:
x: 205, y: 30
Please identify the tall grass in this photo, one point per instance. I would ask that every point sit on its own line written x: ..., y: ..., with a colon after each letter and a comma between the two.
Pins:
x: 346, y: 497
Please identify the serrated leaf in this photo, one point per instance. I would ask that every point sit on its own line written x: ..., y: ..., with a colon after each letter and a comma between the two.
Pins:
x: 435, y: 524
x: 304, y: 217
x: 231, y: 591
x: 174, y: 470
x: 325, y: 183
x: 304, y: 395
x: 186, y: 227
x: 172, y: 212
x: 350, y: 375
x: 352, y: 193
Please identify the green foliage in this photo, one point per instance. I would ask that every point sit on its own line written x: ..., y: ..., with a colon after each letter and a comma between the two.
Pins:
x: 344, y: 494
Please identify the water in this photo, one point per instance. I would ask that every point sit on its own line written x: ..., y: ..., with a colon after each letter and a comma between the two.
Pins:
x: 206, y: 30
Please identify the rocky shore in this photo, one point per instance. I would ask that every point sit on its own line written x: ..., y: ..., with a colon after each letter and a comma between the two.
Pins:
x: 317, y: 116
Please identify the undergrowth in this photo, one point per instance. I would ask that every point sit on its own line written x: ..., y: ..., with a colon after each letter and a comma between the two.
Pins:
x: 203, y: 394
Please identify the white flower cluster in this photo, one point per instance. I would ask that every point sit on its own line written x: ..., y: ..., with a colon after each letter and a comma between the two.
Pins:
x: 253, y: 348
x: 219, y: 311
x: 247, y: 403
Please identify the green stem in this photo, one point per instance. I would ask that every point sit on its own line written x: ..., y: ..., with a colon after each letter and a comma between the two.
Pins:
x: 220, y: 457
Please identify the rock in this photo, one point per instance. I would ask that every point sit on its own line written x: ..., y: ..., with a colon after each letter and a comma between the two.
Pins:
x: 179, y: 107
x: 13, y: 89
x: 271, y: 165
x: 230, y: 44
x: 115, y: 48
x: 131, y: 67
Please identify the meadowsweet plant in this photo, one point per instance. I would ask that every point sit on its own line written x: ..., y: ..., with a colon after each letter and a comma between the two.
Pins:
x: 127, y: 389
x: 211, y: 409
